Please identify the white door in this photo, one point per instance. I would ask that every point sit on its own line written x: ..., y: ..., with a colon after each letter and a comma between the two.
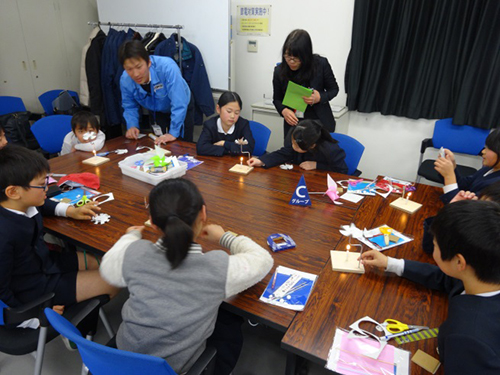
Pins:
x: 15, y: 67
x: 42, y: 27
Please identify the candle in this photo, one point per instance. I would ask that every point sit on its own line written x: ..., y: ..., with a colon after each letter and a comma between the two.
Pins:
x: 348, y: 247
x: 241, y: 160
x: 94, y: 152
x: 408, y: 196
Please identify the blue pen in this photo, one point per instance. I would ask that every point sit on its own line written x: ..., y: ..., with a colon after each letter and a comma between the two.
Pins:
x: 103, y: 153
x: 388, y: 337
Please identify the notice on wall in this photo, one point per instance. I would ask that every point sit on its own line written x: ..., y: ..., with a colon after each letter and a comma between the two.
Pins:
x: 254, y: 20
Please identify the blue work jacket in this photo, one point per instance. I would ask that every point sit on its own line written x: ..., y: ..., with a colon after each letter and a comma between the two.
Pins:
x: 169, y: 94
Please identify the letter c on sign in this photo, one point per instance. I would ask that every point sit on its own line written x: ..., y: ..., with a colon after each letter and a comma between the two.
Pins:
x: 298, y: 191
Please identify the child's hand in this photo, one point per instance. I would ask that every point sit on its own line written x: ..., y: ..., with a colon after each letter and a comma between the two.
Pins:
x: 450, y: 156
x: 85, y: 212
x: 374, y: 258
x: 445, y: 167
x: 255, y: 162
x: 290, y: 117
x: 464, y: 196
x: 73, y: 149
x: 140, y: 228
x: 58, y: 309
x: 212, y: 232
x: 308, y: 165
x: 220, y: 143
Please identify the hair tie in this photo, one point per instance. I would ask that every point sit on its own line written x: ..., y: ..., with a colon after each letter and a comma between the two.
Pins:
x: 172, y: 216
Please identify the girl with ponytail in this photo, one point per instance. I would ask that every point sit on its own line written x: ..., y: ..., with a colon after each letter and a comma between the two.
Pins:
x: 175, y: 288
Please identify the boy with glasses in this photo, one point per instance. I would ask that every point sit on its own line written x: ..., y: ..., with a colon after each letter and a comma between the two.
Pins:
x: 27, y: 268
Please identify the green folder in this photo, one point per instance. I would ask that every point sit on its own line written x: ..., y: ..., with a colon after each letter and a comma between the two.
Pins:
x: 294, y: 94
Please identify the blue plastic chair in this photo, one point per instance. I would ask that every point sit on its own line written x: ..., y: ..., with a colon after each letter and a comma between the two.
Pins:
x: 9, y: 104
x: 261, y: 134
x: 105, y: 360
x: 463, y: 139
x: 353, y: 152
x: 21, y: 341
x: 50, y: 132
x: 48, y: 97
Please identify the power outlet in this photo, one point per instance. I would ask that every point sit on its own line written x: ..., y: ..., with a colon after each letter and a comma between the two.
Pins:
x: 252, y: 46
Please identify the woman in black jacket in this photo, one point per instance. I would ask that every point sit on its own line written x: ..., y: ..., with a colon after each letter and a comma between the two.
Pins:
x: 302, y: 67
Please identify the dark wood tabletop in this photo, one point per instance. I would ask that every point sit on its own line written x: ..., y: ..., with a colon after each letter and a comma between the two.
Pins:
x: 339, y: 299
x: 256, y: 205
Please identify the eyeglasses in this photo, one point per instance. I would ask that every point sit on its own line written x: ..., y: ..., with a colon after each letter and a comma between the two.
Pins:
x: 44, y: 187
x: 291, y: 58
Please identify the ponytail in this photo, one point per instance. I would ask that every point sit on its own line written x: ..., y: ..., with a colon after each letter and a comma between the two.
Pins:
x: 174, y: 207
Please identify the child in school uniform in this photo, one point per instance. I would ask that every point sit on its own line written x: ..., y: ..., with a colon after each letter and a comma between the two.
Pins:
x: 308, y: 145
x: 489, y: 193
x: 490, y: 172
x: 176, y: 288
x: 220, y: 133
x: 83, y: 122
x: 467, y: 253
x: 27, y: 268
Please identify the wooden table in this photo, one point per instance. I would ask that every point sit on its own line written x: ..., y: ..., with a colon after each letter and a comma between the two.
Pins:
x: 258, y: 205
x: 255, y: 205
x: 339, y: 299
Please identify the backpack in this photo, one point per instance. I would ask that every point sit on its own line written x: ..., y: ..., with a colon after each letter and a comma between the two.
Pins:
x: 64, y: 104
x: 17, y: 128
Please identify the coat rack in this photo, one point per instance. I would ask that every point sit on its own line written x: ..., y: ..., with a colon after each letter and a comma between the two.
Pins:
x: 147, y: 26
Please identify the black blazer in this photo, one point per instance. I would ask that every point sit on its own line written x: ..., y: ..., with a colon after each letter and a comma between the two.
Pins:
x: 328, y: 156
x: 210, y: 135
x: 469, y: 339
x: 27, y: 270
x: 323, y: 81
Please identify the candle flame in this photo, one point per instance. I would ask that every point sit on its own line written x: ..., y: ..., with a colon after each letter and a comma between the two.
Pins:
x: 348, y: 247
x: 94, y: 152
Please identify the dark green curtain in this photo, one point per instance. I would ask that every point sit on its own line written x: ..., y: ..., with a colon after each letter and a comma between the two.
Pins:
x: 426, y: 59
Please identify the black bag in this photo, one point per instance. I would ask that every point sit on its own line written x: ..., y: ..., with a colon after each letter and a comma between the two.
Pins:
x: 18, y: 129
x: 64, y: 104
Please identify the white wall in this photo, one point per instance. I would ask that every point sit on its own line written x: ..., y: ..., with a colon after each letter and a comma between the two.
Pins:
x: 392, y: 143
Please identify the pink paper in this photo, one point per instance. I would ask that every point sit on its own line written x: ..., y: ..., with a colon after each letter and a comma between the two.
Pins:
x: 352, y: 360
x: 332, y: 194
x: 51, y: 180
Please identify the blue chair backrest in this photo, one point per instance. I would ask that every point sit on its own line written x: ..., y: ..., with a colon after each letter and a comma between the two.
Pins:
x: 464, y: 139
x: 48, y: 97
x: 353, y: 150
x: 50, y: 132
x: 2, y: 307
x: 104, y: 360
x: 9, y: 104
x: 261, y: 134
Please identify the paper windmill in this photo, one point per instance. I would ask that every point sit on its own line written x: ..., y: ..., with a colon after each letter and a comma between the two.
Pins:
x: 242, y: 142
x: 351, y: 231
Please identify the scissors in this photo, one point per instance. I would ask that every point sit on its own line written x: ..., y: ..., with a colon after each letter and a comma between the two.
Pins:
x: 395, y: 326
x: 83, y: 201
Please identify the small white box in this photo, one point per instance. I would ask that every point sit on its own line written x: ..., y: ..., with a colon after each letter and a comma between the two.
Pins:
x: 127, y: 163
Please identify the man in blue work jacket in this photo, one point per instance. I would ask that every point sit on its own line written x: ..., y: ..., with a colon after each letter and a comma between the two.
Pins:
x: 155, y: 83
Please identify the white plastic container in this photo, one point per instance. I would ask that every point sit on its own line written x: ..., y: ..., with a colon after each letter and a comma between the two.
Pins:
x: 127, y: 163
